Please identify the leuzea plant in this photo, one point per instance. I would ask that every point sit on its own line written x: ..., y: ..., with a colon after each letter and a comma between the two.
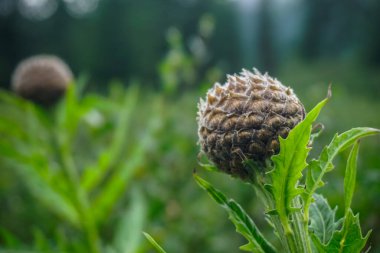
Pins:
x: 256, y: 129
x: 42, y: 79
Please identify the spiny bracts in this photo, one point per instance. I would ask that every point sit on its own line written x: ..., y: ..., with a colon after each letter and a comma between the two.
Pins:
x: 242, y: 120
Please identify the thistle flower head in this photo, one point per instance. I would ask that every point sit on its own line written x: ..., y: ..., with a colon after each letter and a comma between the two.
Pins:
x: 242, y: 120
x: 42, y: 79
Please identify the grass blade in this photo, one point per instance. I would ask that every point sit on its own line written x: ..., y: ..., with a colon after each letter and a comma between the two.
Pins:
x: 154, y: 243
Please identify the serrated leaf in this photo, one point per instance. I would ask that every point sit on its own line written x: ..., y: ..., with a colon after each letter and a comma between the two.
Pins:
x: 350, y: 176
x: 323, y: 164
x: 289, y: 163
x: 154, y: 243
x: 322, y: 219
x: 316, y: 132
x: 348, y: 240
x: 243, y: 223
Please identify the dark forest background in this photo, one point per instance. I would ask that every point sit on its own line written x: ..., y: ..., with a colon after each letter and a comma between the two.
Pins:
x: 128, y: 39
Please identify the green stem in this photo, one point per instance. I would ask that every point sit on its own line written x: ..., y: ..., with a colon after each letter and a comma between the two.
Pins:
x: 301, y: 231
x: 296, y: 237
x: 81, y: 200
x: 267, y: 199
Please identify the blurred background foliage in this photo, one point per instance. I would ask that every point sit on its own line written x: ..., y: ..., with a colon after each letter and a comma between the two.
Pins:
x: 115, y: 156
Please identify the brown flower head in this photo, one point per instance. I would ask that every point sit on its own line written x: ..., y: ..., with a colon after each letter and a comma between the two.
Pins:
x: 242, y: 119
x: 42, y: 79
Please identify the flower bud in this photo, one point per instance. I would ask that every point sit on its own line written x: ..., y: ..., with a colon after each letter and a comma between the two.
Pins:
x: 42, y: 79
x: 242, y: 120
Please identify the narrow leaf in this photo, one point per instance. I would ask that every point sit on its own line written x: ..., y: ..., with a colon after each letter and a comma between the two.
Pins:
x: 350, y: 176
x: 128, y: 236
x: 289, y: 163
x: 243, y: 223
x: 47, y: 195
x: 323, y: 164
x: 107, y: 160
x: 154, y: 243
x: 117, y: 182
x: 348, y: 240
x: 116, y: 185
x: 9, y: 239
x: 322, y: 219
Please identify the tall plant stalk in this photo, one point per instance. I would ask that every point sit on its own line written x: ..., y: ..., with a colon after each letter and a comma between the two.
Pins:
x: 81, y: 200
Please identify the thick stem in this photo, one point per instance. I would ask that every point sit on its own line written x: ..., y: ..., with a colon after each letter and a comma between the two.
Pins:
x: 295, y: 239
x: 301, y: 231
x: 267, y: 199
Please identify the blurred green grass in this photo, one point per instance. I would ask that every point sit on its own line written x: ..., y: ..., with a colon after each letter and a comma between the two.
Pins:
x: 135, y: 149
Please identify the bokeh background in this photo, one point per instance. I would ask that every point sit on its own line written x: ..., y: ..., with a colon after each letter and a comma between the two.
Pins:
x: 129, y: 124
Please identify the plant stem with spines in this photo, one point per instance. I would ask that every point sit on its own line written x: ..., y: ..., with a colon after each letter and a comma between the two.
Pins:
x: 297, y: 238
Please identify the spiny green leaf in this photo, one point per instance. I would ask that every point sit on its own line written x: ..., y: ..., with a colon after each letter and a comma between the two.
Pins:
x: 348, y: 240
x: 350, y: 176
x: 323, y: 164
x: 322, y: 219
x: 289, y: 163
x: 154, y: 243
x: 243, y: 223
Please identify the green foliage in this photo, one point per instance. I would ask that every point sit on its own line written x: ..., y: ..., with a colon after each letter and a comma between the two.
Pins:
x: 43, y: 146
x: 322, y: 219
x: 154, y: 243
x: 243, y: 223
x: 349, y: 239
x: 26, y: 143
x: 350, y: 176
x: 127, y: 236
x: 323, y: 164
x: 290, y: 198
x: 289, y: 164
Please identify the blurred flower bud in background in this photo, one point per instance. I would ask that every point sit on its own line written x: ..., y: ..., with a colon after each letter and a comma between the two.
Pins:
x: 42, y: 79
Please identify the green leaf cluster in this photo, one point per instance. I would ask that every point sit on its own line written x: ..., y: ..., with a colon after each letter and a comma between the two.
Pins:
x: 301, y: 218
x: 82, y: 189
